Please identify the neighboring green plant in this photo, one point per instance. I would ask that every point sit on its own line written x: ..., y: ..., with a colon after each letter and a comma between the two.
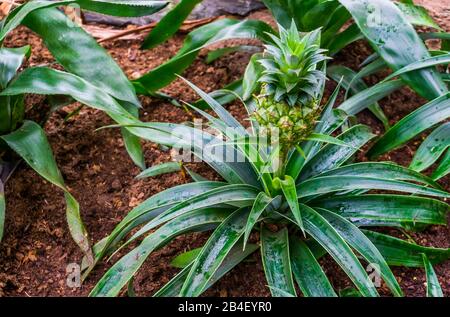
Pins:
x: 432, y: 115
x: 321, y: 202
x: 170, y: 23
x: 381, y: 23
x: 93, y: 78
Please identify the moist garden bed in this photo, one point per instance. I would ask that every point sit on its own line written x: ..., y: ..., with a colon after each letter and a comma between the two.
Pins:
x: 37, y: 247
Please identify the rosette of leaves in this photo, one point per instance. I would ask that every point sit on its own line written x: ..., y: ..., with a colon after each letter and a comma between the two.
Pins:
x: 322, y: 203
x: 91, y: 77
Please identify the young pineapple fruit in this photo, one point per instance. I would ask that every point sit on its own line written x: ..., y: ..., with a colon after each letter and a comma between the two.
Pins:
x: 291, y: 85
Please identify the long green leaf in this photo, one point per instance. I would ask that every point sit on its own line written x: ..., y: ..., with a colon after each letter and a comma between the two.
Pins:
x: 444, y: 167
x: 338, y: 19
x: 208, y: 147
x: 433, y: 287
x: 214, y: 253
x: 123, y: 8
x: 417, y: 15
x: 170, y: 23
x: 10, y: 61
x: 47, y: 81
x: 252, y: 73
x: 121, y: 272
x: 221, y: 112
x: 395, y: 40
x: 277, y: 263
x: 413, y: 124
x: 234, y: 195
x: 6, y: 170
x: 318, y: 15
x: 223, y: 96
x: 133, y: 146
x: 153, y: 207
x: 160, y: 169
x: 307, y: 272
x: 382, y: 170
x: 424, y: 63
x: 285, y: 11
x: 401, y: 253
x: 31, y: 144
x: 15, y: 18
x: 328, y: 139
x: 332, y: 156
x: 435, y: 36
x: 331, y: 184
x: 290, y: 193
x: 372, y: 67
x: 262, y: 201
x: 357, y: 240
x: 321, y: 230
x: 6, y: 105
x: 127, y: 8
x: 355, y: 85
x: 220, y: 30
x: 11, y: 108
x: 164, y: 74
x: 132, y: 142
x: 432, y: 148
x: 345, y: 38
x: 81, y: 55
x: 387, y: 209
x: 365, y: 98
x: 220, y: 52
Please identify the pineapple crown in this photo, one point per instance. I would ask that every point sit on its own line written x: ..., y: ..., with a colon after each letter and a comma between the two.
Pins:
x: 290, y: 66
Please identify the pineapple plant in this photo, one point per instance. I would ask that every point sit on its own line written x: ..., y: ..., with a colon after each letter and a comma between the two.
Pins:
x: 289, y: 100
x: 319, y: 202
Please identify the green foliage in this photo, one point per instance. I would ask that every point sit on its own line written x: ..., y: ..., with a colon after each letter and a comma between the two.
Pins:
x: 30, y: 143
x: 390, y: 34
x: 333, y: 201
x: 315, y: 202
x: 185, y: 259
x: 386, y: 25
x: 92, y: 77
x: 170, y: 23
x: 160, y: 169
x: 433, y: 287
x: 434, y: 146
x: 317, y: 195
x: 201, y: 37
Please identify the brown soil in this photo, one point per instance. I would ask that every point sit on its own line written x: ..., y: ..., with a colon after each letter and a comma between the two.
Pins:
x: 37, y: 246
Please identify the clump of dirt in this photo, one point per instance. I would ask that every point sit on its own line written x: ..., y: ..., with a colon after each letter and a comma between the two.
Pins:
x: 37, y: 247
